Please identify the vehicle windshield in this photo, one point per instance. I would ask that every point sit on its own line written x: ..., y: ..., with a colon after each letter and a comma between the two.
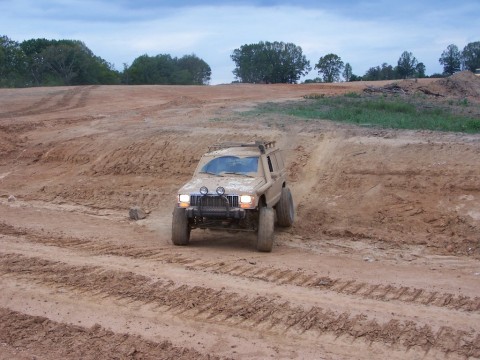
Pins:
x: 231, y: 165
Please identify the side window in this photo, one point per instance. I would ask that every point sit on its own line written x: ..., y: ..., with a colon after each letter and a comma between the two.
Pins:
x: 279, y: 157
x: 272, y: 164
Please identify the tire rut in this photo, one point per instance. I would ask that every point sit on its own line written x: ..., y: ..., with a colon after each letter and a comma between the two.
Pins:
x: 70, y: 99
x: 268, y: 274
x: 73, y: 342
x: 250, y: 312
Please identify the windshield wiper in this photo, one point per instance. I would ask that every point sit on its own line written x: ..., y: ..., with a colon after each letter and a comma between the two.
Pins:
x: 210, y: 173
x: 237, y: 173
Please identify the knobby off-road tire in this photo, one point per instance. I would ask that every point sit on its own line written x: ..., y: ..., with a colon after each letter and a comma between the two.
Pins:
x: 285, y: 209
x: 180, y: 227
x: 266, y: 219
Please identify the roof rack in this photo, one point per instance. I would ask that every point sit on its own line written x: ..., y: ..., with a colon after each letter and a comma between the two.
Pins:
x: 260, y: 144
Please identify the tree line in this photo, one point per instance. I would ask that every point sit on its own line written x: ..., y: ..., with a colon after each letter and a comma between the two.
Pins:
x: 278, y: 62
x: 452, y: 60
x: 42, y: 62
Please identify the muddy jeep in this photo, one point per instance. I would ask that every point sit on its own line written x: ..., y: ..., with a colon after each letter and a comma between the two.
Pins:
x: 236, y: 187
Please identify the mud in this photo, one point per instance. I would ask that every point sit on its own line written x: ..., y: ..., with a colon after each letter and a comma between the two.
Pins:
x: 383, y: 260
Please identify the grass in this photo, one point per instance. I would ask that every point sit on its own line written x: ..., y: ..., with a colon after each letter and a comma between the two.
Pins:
x: 418, y: 113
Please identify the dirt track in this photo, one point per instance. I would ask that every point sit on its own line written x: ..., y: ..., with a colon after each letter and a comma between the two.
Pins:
x: 383, y: 261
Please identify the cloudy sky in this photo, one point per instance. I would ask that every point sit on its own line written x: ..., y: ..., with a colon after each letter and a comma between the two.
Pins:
x: 364, y: 33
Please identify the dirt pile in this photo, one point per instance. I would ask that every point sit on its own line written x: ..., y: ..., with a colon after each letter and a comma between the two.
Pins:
x: 399, y: 197
x: 463, y: 84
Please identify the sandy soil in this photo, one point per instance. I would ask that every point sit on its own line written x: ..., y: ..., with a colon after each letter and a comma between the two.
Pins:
x: 383, y: 260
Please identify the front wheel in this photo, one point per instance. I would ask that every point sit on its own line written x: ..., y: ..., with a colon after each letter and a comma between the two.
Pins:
x: 266, y: 219
x: 180, y: 227
x: 285, y: 209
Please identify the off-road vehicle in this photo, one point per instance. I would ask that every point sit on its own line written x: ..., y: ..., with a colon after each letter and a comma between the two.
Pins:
x: 236, y: 187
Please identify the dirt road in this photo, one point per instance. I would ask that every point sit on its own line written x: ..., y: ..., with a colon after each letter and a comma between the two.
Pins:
x: 383, y: 260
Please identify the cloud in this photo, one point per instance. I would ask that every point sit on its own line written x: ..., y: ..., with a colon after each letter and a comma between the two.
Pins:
x: 364, y: 33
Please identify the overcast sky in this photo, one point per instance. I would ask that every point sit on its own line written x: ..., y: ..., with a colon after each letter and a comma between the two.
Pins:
x: 363, y: 33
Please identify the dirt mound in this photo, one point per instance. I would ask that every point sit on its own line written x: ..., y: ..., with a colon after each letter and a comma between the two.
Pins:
x: 460, y: 85
x: 464, y: 84
x: 399, y: 197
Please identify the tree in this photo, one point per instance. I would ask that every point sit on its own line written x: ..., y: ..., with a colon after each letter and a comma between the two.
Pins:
x: 199, y: 71
x: 40, y: 62
x: 317, y: 80
x: 420, y: 70
x: 35, y: 62
x: 66, y: 62
x: 330, y: 66
x: 471, y: 56
x: 347, y: 72
x: 372, y: 74
x: 450, y: 59
x: 12, y: 63
x: 388, y: 72
x: 165, y: 70
x: 148, y: 70
x: 62, y: 60
x: 356, y: 78
x: 249, y: 65
x: 407, y: 64
x: 103, y: 72
x: 269, y: 62
x: 385, y: 72
x: 125, y: 75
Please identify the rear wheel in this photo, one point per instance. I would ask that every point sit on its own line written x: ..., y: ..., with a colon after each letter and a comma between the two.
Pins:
x: 266, y: 219
x: 180, y: 227
x: 285, y: 209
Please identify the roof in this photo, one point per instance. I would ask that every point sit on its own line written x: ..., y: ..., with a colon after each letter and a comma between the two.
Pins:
x: 255, y: 148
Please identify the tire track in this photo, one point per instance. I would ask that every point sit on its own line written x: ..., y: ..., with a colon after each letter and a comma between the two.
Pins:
x: 75, y: 342
x: 233, y: 309
x: 268, y: 274
x: 36, y: 106
x: 69, y: 99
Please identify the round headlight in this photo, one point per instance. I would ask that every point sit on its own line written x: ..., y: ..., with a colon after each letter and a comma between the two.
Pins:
x: 203, y: 190
x: 220, y: 190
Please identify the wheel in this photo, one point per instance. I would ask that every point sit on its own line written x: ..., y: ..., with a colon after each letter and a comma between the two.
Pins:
x: 266, y: 219
x: 285, y: 209
x: 180, y: 227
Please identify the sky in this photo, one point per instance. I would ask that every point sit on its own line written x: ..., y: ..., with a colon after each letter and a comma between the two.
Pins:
x: 365, y: 33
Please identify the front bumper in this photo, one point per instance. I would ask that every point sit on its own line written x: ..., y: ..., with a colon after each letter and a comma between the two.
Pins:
x: 215, y: 212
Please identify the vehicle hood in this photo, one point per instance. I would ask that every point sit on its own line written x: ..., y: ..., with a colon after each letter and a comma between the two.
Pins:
x: 233, y: 185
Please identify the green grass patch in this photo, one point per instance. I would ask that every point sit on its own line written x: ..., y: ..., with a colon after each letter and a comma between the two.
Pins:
x: 382, y: 111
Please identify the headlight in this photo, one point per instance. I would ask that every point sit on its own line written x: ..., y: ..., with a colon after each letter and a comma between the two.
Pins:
x: 204, y: 190
x: 246, y: 199
x: 184, y: 198
x: 220, y: 190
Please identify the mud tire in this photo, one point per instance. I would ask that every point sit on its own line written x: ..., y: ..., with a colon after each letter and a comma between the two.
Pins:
x: 266, y: 219
x: 180, y: 227
x: 285, y: 209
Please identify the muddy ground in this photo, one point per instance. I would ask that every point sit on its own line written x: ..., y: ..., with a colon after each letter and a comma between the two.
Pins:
x: 382, y: 262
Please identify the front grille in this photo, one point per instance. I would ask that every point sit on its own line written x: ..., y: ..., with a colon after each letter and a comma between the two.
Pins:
x: 214, y: 200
